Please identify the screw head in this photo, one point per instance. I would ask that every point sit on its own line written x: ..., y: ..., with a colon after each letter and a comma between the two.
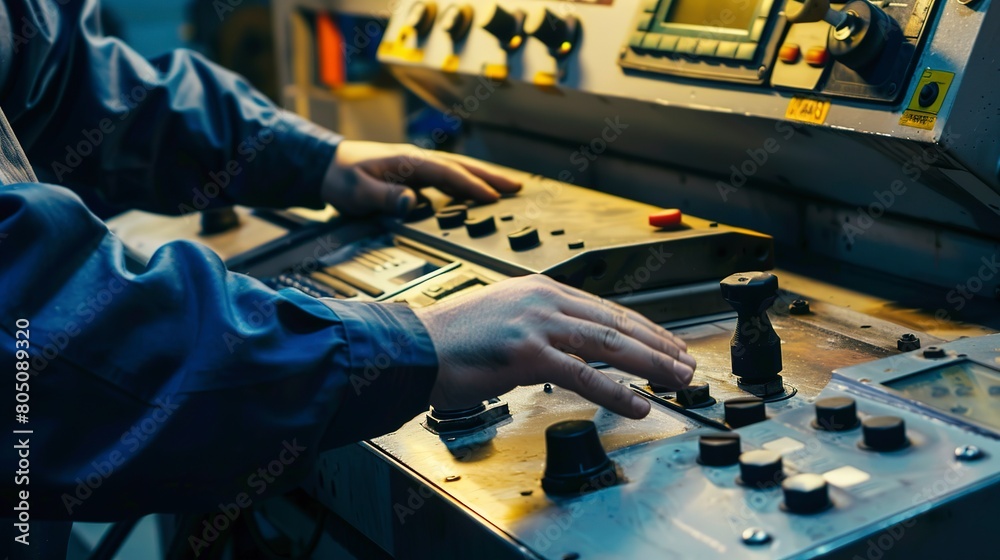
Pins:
x: 908, y: 342
x: 755, y: 536
x: 453, y: 478
x: 799, y: 307
x: 968, y: 453
x: 547, y: 388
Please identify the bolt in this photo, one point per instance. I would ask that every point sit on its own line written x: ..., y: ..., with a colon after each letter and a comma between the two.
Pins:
x: 968, y: 453
x: 754, y: 536
x: 547, y: 388
x: 934, y: 353
x: 908, y: 342
x: 799, y: 307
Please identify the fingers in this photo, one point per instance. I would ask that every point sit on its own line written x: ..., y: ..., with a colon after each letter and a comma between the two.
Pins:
x: 597, y: 342
x: 453, y: 179
x: 371, y: 194
x: 592, y: 385
x: 629, y: 323
x: 501, y: 181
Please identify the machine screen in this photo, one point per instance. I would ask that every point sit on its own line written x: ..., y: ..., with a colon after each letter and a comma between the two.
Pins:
x: 731, y: 14
x: 961, y: 389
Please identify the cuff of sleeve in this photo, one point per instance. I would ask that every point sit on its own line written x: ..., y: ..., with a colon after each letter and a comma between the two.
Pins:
x: 310, y: 149
x: 393, y: 367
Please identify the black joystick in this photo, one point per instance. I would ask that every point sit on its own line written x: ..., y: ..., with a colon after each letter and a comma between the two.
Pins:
x: 507, y: 27
x: 755, y: 347
x: 575, y: 461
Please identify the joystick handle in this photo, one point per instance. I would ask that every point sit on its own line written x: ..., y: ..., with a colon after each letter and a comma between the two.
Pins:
x: 755, y: 347
x: 807, y: 11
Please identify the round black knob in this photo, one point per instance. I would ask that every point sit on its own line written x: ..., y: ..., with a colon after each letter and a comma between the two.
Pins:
x: 755, y: 348
x: 219, y: 220
x: 836, y: 414
x: 884, y: 433
x: 421, y: 211
x: 744, y: 411
x: 719, y: 450
x: 523, y: 239
x: 480, y: 227
x: 560, y: 35
x: 451, y: 217
x: 507, y: 27
x: 458, y: 22
x: 806, y: 493
x: 760, y: 468
x: 695, y: 395
x: 859, y: 41
x: 575, y: 461
x: 421, y: 17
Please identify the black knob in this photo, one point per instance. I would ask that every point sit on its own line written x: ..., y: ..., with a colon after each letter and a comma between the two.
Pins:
x: 862, y: 38
x: 219, y: 220
x: 575, y: 461
x: 421, y: 211
x: 507, y: 27
x: 458, y: 22
x: 695, y: 395
x: 421, y: 17
x: 761, y: 468
x: 523, y: 239
x: 719, y: 450
x: 479, y: 227
x: 884, y: 433
x: 451, y: 217
x: 755, y: 347
x: 806, y: 493
x: 744, y: 411
x: 836, y: 414
x: 560, y: 35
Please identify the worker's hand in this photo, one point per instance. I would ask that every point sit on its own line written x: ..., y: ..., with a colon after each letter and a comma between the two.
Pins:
x: 367, y: 177
x: 528, y: 330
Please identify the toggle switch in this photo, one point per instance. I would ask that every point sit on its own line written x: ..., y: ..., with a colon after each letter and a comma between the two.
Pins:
x: 560, y: 35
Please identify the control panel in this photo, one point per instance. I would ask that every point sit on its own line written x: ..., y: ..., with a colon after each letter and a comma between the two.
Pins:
x: 604, y: 244
x: 860, y: 49
x: 854, y: 457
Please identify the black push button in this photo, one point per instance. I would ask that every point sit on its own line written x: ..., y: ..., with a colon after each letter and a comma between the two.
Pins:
x: 523, y: 239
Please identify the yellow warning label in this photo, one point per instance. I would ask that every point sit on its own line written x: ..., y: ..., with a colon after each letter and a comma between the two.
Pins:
x: 917, y: 119
x: 808, y: 109
x: 937, y: 83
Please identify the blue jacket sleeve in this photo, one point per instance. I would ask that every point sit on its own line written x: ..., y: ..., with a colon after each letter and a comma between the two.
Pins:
x: 170, y: 135
x: 185, y: 386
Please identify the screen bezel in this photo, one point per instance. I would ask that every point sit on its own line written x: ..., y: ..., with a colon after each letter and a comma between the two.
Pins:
x: 661, y: 25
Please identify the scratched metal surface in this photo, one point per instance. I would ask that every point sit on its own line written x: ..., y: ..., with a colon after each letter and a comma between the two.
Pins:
x: 500, y: 469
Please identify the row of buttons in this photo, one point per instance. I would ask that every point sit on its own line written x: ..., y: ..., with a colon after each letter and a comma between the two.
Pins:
x: 662, y: 43
x: 815, y: 56
x: 451, y: 217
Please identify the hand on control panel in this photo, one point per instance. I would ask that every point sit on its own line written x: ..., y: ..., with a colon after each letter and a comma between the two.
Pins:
x: 528, y: 330
x: 367, y: 177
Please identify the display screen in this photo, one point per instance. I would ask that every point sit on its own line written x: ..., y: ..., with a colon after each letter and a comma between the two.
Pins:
x: 961, y: 389
x: 731, y: 14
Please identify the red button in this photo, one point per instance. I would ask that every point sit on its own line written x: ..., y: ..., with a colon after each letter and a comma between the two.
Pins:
x: 665, y: 218
x: 817, y: 56
x: 790, y: 53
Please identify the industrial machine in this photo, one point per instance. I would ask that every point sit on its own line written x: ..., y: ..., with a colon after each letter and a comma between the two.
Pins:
x: 807, y: 192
